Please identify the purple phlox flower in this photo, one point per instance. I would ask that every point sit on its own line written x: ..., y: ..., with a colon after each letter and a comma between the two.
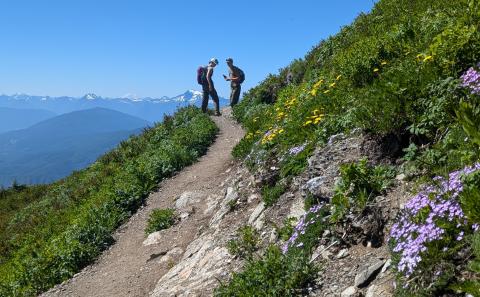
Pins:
x: 471, y: 80
x: 475, y: 227
x: 296, y: 150
x: 306, y: 220
x: 460, y: 236
x: 411, y: 236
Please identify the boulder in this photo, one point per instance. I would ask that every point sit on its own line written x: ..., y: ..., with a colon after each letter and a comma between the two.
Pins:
x: 365, y: 276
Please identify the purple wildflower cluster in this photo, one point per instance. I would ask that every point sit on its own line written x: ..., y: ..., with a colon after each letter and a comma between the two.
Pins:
x: 296, y: 150
x: 471, y: 80
x: 309, y: 218
x: 413, y: 232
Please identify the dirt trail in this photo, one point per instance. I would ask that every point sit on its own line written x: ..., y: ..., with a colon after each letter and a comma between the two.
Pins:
x: 129, y: 268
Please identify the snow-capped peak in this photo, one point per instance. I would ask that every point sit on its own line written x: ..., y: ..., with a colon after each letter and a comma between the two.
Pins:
x: 190, y: 95
x: 130, y: 96
x: 90, y: 96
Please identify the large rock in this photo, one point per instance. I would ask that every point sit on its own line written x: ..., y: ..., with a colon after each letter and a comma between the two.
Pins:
x: 297, y: 209
x: 319, y: 187
x: 153, y: 238
x: 189, y: 198
x: 365, y: 276
x: 196, y: 274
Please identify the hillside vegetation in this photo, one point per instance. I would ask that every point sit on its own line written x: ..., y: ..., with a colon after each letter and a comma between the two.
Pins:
x: 407, y: 75
x: 49, y: 232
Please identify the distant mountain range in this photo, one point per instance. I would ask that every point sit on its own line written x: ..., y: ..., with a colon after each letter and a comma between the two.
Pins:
x: 150, y: 109
x: 15, y: 119
x: 53, y: 148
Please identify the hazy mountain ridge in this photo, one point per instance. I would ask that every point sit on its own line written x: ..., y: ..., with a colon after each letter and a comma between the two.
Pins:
x: 150, y: 109
x: 15, y: 119
x: 55, y: 147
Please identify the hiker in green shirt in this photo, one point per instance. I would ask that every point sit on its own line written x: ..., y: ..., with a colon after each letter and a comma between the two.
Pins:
x: 209, y: 89
x: 236, y: 78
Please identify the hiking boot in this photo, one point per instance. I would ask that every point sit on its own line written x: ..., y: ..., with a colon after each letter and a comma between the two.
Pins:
x: 218, y: 114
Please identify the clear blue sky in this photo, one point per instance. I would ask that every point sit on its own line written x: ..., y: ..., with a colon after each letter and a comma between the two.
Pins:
x: 153, y: 48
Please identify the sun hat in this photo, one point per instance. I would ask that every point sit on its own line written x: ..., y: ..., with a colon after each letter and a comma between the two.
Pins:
x: 214, y: 60
x: 229, y: 60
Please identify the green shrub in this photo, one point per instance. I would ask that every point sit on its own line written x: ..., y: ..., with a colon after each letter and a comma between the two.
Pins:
x: 359, y: 184
x: 245, y: 243
x: 270, y: 194
x: 274, y: 274
x: 160, y: 219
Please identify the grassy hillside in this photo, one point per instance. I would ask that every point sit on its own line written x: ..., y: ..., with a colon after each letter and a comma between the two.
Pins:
x: 49, y: 232
x: 398, y: 74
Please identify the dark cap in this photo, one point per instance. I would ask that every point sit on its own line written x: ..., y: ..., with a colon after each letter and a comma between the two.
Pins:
x: 229, y: 60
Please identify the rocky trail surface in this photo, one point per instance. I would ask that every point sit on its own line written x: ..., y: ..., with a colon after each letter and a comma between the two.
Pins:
x: 217, y: 196
x: 134, y: 264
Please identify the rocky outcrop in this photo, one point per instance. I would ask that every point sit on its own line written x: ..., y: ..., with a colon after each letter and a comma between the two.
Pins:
x: 350, y: 268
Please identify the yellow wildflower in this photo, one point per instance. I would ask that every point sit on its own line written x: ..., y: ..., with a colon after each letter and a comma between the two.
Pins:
x: 332, y: 85
x: 327, y: 91
x: 427, y: 58
x: 338, y: 77
x: 317, y: 84
x: 313, y: 92
x: 307, y: 123
x: 375, y: 70
x: 383, y: 63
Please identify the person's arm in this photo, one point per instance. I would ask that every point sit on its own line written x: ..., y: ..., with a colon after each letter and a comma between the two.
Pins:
x: 232, y: 77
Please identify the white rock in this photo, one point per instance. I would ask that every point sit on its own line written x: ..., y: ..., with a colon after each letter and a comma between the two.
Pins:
x: 175, y: 252
x: 342, y: 254
x: 317, y: 187
x: 188, y: 198
x: 259, y: 222
x: 231, y: 195
x: 366, y: 273
x: 153, y: 238
x: 371, y: 291
x: 256, y: 213
x: 386, y: 266
x: 253, y: 198
x: 297, y: 209
x: 349, y: 291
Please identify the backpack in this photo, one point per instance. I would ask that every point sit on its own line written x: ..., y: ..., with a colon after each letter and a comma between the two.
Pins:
x: 242, y: 75
x: 201, y: 75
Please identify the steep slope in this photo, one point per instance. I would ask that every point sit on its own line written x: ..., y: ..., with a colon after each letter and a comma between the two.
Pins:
x: 406, y: 76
